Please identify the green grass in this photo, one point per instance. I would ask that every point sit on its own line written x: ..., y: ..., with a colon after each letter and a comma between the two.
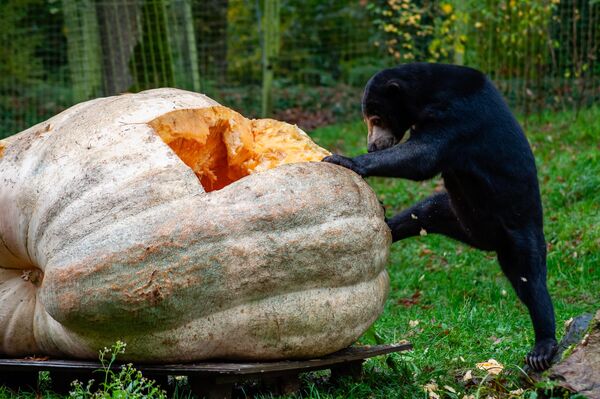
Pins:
x: 465, y: 308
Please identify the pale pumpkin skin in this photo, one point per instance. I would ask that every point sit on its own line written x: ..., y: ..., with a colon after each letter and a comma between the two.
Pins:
x: 106, y: 234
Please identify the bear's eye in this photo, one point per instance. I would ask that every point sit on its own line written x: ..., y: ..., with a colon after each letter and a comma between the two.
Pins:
x: 375, y: 121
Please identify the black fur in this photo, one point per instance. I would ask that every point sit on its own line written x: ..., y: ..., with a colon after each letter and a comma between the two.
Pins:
x: 461, y: 128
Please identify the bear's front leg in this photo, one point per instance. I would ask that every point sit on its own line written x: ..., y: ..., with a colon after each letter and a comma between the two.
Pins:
x: 417, y: 159
x: 345, y: 162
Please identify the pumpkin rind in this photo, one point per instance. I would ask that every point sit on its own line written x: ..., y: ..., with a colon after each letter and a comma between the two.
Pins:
x: 106, y: 234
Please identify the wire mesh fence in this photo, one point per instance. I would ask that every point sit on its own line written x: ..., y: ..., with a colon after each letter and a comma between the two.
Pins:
x: 304, y: 61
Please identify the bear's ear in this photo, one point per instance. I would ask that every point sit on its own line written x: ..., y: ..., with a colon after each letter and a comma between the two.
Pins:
x: 395, y: 86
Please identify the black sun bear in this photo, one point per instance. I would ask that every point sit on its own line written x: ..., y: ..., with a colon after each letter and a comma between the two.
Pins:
x: 430, y: 119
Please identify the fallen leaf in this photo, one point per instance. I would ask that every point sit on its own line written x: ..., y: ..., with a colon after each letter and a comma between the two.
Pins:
x: 413, y: 323
x: 468, y: 376
x: 492, y: 366
x: 414, y: 299
x: 495, y: 340
x: 517, y: 392
x: 431, y: 390
x: 449, y: 389
x: 425, y: 251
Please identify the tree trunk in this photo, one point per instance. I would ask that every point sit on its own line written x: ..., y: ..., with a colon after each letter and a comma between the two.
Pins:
x: 118, y: 32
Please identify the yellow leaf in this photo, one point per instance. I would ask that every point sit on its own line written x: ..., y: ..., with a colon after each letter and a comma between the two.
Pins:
x: 446, y: 8
x: 492, y: 366
x: 431, y: 390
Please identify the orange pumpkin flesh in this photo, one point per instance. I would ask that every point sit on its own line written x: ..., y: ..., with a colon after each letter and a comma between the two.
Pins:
x: 221, y: 146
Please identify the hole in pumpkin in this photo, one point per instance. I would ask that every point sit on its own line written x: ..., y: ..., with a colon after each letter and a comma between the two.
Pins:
x: 221, y: 146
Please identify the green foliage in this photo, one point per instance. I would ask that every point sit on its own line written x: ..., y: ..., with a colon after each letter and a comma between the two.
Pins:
x: 34, y: 104
x: 540, y: 52
x: 317, y: 46
x: 84, y: 50
x: 21, y: 67
x: 318, y: 36
x: 418, y: 30
x: 242, y: 42
x: 127, y: 383
x: 19, y: 63
x: 519, y: 28
x: 226, y: 35
x: 445, y: 30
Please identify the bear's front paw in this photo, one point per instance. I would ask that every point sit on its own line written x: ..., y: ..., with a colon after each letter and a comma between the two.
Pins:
x: 540, y: 358
x: 345, y: 162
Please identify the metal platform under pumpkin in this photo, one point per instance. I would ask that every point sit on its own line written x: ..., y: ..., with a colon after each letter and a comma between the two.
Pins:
x: 207, y: 379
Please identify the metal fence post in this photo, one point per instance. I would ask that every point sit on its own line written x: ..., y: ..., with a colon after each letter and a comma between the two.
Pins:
x: 83, y: 48
x: 270, y: 50
x: 183, y: 44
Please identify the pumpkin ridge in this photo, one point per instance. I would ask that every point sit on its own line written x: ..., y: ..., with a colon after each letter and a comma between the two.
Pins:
x: 14, y: 289
x: 52, y: 212
x: 92, y: 228
x: 215, y: 238
x: 212, y: 329
x: 334, y: 213
x: 109, y: 263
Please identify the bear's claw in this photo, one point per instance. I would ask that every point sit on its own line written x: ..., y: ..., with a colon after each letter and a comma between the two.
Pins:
x: 540, y: 358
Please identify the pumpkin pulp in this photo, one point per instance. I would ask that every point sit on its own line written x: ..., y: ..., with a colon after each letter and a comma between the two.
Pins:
x: 221, y: 146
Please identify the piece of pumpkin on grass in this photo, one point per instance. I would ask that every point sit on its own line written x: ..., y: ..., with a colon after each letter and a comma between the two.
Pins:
x: 178, y: 226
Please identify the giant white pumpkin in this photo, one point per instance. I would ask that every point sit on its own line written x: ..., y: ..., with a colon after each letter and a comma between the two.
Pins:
x: 176, y: 225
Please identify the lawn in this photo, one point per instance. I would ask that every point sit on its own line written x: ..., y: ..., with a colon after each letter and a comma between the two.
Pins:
x: 452, y: 302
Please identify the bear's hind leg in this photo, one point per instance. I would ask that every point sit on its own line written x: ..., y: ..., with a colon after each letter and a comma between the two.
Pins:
x: 434, y: 215
x: 524, y: 263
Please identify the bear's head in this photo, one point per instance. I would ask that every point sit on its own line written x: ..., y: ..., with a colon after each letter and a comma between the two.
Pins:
x: 409, y: 95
